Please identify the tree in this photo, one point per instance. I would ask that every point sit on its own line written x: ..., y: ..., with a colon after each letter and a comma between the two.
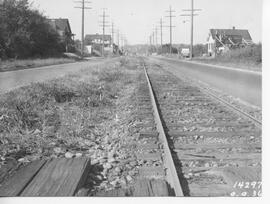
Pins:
x: 25, y: 33
x: 199, y: 50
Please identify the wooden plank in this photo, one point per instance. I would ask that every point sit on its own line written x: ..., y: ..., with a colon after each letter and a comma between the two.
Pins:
x: 149, y: 156
x: 15, y: 185
x: 204, y: 146
x: 60, y: 177
x: 148, y: 146
x: 175, y: 133
x: 215, y: 124
x: 142, y: 188
x: 146, y: 125
x: 220, y: 156
x: 11, y: 165
x: 147, y: 134
x: 232, y: 176
x: 151, y: 172
x: 115, y: 193
x: 149, y: 188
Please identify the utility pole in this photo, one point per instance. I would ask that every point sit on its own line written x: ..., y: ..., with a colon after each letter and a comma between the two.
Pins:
x: 122, y: 37
x: 83, y: 7
x: 170, y: 26
x: 104, y: 25
x: 161, y: 33
x: 112, y: 33
x: 118, y: 38
x: 191, y: 25
x: 123, y: 41
x: 156, y: 30
x: 191, y: 29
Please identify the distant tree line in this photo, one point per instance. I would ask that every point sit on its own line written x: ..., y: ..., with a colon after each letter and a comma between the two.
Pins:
x: 25, y: 32
x: 198, y: 49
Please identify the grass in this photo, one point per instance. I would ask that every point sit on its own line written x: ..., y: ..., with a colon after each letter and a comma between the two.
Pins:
x: 246, y: 58
x: 65, y: 112
x: 12, y: 65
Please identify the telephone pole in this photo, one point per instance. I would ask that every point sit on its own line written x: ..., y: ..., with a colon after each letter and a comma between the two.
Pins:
x: 170, y: 26
x: 191, y: 25
x: 156, y: 30
x: 118, y: 38
x: 104, y: 25
x: 161, y: 33
x: 122, y: 41
x: 83, y: 8
x: 112, y: 33
x: 153, y: 34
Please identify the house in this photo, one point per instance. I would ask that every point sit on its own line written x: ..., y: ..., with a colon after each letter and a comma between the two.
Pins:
x: 221, y: 40
x: 98, y: 39
x: 96, y: 43
x: 62, y: 27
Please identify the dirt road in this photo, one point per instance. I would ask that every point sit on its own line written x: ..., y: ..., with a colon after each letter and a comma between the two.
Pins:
x: 15, y: 79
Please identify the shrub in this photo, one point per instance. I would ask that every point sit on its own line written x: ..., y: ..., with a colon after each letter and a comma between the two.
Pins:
x: 249, y: 54
x: 25, y: 33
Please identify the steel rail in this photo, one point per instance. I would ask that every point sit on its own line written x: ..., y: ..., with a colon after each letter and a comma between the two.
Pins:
x: 235, y: 109
x: 171, y: 173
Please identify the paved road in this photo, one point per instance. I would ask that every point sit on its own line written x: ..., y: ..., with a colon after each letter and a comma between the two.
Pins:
x: 15, y: 79
x: 242, y: 84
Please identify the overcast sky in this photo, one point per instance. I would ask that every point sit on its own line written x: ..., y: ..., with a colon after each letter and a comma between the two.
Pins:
x: 136, y: 19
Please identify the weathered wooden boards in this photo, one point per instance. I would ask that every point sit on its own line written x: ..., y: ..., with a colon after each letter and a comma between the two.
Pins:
x: 57, y: 177
x: 233, y: 178
x: 64, y: 177
x: 15, y: 185
x: 142, y: 188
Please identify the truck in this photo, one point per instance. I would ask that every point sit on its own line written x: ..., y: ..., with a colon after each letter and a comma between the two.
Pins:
x: 185, y: 52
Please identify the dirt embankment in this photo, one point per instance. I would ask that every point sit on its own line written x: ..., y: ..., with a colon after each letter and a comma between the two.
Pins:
x: 14, y: 65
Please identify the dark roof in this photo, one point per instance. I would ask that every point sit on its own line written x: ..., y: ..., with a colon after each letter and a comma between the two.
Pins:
x: 231, y: 32
x: 97, y: 37
x: 60, y: 24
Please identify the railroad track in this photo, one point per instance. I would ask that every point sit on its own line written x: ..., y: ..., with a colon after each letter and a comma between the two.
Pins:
x: 187, y: 142
x: 207, y: 146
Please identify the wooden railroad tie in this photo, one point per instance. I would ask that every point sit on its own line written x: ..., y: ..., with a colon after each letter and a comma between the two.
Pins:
x: 142, y: 188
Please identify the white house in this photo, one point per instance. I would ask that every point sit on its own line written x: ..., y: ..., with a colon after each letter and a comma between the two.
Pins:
x: 221, y: 40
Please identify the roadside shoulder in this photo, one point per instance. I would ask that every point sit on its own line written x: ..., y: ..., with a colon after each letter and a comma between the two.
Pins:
x: 214, y: 65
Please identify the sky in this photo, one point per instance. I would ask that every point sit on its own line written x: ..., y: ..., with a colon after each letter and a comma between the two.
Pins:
x: 136, y: 19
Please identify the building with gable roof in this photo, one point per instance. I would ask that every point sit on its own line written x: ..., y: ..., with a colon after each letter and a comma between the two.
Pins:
x: 62, y: 27
x: 221, y: 40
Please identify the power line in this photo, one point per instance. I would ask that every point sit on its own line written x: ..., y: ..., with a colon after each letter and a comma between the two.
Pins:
x: 170, y: 26
x: 104, y: 25
x: 83, y: 7
x: 192, y: 14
